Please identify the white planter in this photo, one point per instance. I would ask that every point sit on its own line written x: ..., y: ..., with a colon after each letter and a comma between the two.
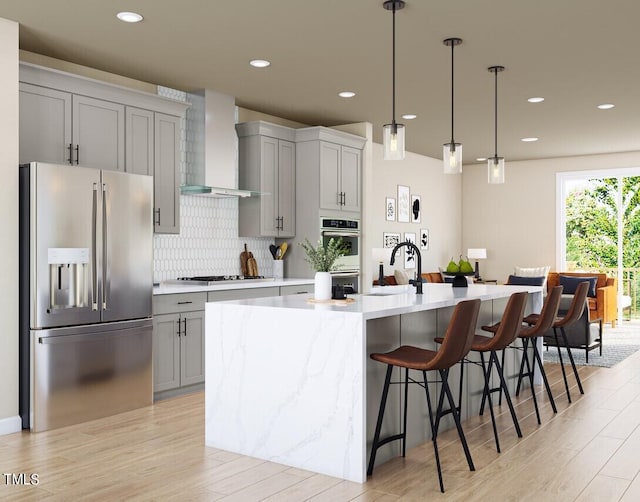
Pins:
x: 322, y: 286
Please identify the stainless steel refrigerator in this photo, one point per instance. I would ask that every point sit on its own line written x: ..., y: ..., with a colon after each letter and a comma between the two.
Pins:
x: 86, y: 285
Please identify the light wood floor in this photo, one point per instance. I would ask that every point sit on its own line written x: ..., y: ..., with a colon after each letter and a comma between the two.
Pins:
x: 589, y: 451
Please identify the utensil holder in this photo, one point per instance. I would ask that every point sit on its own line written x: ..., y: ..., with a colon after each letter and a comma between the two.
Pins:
x: 278, y: 269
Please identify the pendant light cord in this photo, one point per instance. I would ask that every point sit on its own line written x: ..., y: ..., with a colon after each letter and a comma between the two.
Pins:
x: 393, y: 71
x: 495, y: 130
x: 452, y: 95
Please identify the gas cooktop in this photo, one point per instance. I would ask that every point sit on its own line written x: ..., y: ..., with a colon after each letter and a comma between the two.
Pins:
x: 206, y: 280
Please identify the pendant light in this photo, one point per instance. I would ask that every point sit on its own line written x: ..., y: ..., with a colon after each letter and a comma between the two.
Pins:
x: 393, y: 134
x: 495, y: 164
x: 452, y: 152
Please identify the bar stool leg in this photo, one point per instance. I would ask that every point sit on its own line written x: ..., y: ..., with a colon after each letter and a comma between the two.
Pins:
x: 521, y: 373
x: 564, y: 374
x: 487, y: 375
x: 486, y: 390
x: 573, y: 364
x: 504, y: 388
x: 404, y: 425
x: 444, y: 375
x: 525, y: 359
x: 434, y: 432
x: 538, y: 359
x: 376, y: 436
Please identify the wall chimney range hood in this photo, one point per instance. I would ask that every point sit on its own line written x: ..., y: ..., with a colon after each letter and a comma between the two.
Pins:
x: 211, y: 153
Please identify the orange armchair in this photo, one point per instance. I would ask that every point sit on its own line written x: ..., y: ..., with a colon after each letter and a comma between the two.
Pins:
x: 605, y: 304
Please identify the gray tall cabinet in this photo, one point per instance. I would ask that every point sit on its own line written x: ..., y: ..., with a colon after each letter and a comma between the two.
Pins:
x: 67, y: 119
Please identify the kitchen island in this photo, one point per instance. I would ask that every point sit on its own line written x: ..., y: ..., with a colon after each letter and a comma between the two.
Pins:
x: 291, y: 381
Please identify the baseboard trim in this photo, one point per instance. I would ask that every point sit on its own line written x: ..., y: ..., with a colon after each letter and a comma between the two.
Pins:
x: 10, y: 425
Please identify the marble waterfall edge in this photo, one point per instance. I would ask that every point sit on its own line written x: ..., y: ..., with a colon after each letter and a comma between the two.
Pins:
x: 287, y: 388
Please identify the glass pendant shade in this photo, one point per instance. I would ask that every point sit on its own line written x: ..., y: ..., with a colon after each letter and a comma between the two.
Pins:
x: 495, y: 170
x: 452, y: 158
x: 393, y: 141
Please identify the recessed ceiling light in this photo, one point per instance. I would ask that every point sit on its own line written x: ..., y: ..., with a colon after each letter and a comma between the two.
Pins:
x: 529, y: 140
x: 606, y: 106
x: 260, y: 63
x: 535, y: 100
x: 346, y: 94
x: 129, y: 17
x: 481, y: 159
x: 409, y: 116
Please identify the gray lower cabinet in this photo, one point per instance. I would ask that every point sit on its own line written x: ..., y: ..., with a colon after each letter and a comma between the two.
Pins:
x: 299, y: 289
x: 178, y: 340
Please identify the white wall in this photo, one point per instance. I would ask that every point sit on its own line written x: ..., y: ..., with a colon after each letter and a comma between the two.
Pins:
x: 516, y: 221
x: 441, y: 208
x: 9, y: 421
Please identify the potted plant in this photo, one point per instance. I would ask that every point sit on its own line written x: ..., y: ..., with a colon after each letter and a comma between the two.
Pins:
x: 323, y: 260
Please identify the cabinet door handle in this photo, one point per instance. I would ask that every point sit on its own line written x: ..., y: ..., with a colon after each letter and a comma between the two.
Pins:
x: 77, y: 154
x: 281, y: 222
x: 184, y: 303
x: 70, y: 159
x: 339, y: 194
x: 344, y: 198
x: 157, y: 211
x: 184, y: 331
x: 179, y: 332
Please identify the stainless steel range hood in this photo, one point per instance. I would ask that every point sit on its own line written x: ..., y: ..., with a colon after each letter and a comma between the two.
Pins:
x: 212, y: 159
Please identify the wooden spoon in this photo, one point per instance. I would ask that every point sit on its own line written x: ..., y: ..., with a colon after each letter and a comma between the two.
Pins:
x: 283, y: 249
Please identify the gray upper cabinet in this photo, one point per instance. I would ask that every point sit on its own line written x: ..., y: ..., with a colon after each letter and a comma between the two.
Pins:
x: 45, y: 125
x: 64, y: 128
x: 339, y: 177
x: 68, y: 119
x: 153, y: 148
x: 331, y: 160
x: 167, y: 174
x: 139, y: 140
x: 98, y: 133
x: 267, y: 164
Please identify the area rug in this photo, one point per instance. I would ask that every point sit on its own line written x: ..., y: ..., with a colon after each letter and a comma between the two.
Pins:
x: 619, y: 343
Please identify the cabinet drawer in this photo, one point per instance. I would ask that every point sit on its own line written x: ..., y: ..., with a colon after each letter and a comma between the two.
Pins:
x: 242, y: 294
x: 183, y: 302
x: 296, y: 290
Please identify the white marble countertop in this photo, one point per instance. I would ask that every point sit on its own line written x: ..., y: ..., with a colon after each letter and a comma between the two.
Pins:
x: 381, y: 304
x: 170, y: 289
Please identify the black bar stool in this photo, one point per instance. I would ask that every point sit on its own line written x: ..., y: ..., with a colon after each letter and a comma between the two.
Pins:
x: 506, y: 332
x: 578, y: 304
x: 455, y: 346
x: 543, y: 324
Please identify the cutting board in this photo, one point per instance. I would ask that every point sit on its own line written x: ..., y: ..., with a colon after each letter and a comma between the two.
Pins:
x: 244, y: 259
x: 248, y: 264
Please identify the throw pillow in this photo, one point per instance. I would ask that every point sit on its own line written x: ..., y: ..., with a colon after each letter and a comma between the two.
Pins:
x: 569, y: 284
x: 531, y: 271
x: 401, y: 277
x: 516, y: 280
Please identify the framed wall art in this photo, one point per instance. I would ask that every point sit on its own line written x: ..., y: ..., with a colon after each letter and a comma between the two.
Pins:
x: 390, y: 239
x: 390, y: 209
x: 416, y: 208
x: 424, y: 238
x: 409, y: 253
x: 404, y: 201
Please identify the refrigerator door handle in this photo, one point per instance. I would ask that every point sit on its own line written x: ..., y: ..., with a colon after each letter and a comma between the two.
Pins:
x: 94, y: 249
x: 105, y: 233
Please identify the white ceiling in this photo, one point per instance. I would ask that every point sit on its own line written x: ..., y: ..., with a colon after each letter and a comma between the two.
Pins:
x: 575, y: 53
